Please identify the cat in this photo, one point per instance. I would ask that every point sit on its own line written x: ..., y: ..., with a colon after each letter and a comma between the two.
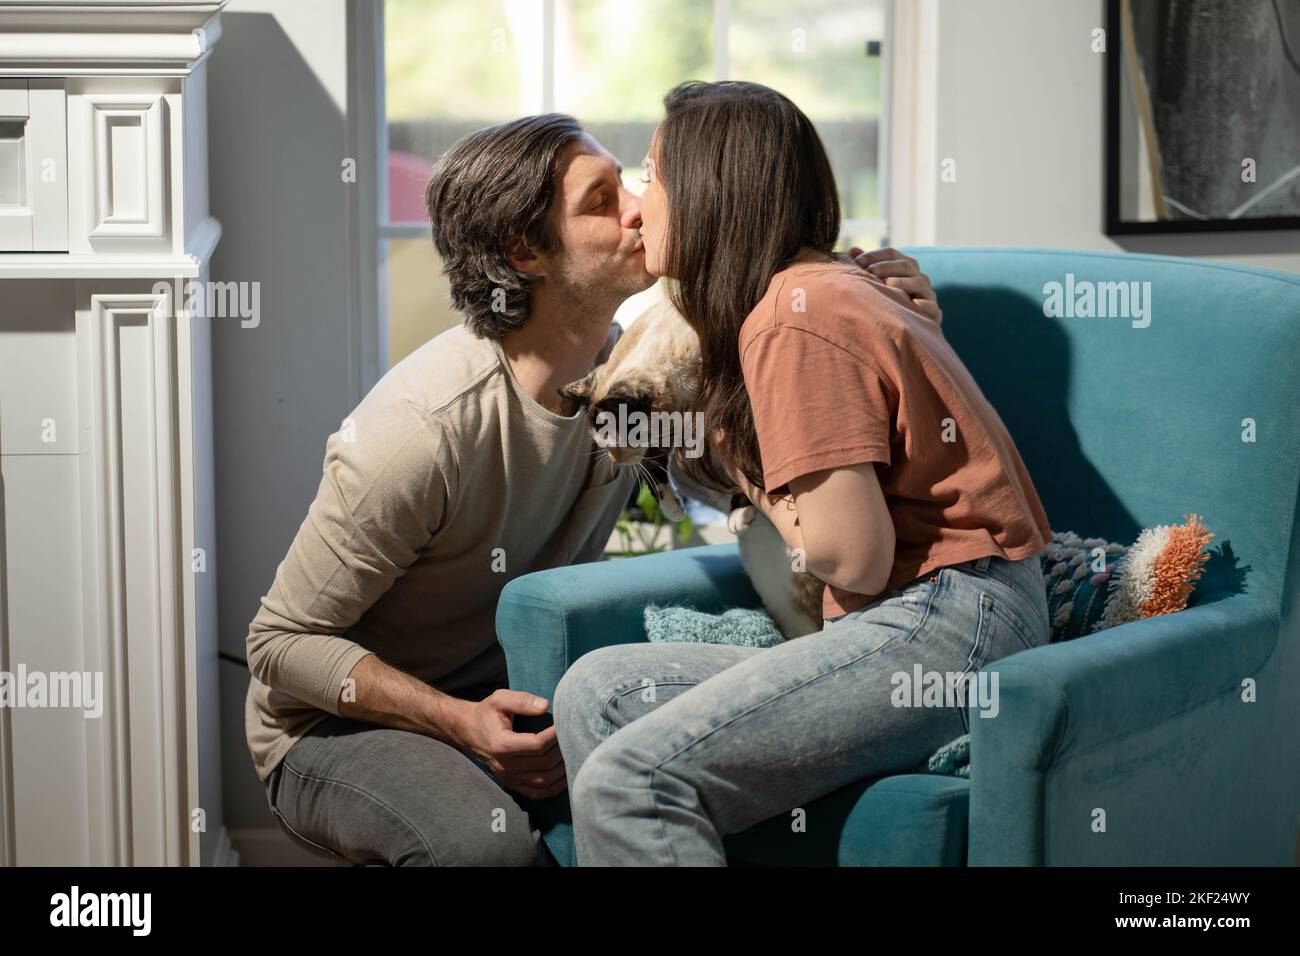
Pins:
x: 655, y: 367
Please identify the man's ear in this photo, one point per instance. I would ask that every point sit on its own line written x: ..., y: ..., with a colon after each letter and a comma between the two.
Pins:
x: 523, y: 259
x: 579, y: 392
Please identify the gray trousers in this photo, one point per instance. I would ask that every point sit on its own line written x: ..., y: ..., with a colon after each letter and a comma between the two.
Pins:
x: 373, y: 795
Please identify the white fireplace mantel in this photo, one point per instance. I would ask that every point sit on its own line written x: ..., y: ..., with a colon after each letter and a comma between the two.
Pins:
x: 107, y: 536
x: 111, y: 63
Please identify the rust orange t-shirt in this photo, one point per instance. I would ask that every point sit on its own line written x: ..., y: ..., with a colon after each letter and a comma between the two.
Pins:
x: 840, y: 370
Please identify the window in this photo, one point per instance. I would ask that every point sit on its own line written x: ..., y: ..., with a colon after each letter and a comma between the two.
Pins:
x: 448, y: 67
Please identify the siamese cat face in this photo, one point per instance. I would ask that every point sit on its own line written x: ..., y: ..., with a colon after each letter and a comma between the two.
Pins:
x: 654, y: 367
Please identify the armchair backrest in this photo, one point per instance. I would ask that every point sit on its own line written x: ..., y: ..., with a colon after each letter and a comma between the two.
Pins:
x: 1142, y: 388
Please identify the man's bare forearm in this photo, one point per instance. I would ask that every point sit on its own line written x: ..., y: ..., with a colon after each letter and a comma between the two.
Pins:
x: 383, y: 695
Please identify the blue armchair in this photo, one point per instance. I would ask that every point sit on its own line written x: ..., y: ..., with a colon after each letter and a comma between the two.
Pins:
x: 1183, y: 729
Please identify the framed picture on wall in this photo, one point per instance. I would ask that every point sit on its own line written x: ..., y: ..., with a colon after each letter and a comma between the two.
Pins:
x: 1202, y: 115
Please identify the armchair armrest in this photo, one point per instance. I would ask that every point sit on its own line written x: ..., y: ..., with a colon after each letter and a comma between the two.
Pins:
x: 548, y: 619
x: 1146, y: 723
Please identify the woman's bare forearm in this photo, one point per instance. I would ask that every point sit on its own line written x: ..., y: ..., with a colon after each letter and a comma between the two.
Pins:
x: 846, y: 527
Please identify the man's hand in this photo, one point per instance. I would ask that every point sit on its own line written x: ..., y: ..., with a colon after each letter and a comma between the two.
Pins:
x: 903, y: 273
x: 526, y: 763
x: 529, y: 764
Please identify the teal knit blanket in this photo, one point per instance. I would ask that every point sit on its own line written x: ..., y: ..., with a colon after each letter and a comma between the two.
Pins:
x: 749, y: 627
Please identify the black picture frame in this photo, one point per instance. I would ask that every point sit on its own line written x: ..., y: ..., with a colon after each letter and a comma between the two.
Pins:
x: 1113, y: 224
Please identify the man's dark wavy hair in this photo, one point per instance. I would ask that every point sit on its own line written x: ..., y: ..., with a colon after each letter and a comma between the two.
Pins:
x: 488, y: 198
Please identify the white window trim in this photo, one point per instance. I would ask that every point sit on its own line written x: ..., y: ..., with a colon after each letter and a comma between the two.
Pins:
x: 912, y: 127
x: 367, y: 143
x: 367, y: 199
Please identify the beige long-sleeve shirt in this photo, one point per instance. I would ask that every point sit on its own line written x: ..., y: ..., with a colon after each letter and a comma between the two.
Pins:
x: 446, y: 482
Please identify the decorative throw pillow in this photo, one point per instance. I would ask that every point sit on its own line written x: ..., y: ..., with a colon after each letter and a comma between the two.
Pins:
x: 1154, y: 576
x: 746, y: 627
x: 952, y: 759
x: 1076, y: 578
x: 1158, y: 573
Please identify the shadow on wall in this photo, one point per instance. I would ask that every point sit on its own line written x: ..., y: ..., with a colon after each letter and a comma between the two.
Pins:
x: 276, y: 144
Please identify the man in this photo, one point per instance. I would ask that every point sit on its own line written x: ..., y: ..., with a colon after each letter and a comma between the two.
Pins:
x: 378, y: 715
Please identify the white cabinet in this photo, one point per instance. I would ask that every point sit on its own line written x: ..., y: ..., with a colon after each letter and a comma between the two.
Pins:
x: 107, y: 563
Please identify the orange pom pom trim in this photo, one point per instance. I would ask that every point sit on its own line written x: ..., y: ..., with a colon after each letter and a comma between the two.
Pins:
x: 1178, y: 567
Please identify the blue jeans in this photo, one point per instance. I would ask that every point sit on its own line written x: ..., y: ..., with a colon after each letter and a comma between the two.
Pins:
x: 670, y: 746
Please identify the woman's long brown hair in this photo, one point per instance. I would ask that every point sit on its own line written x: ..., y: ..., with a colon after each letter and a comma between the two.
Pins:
x: 748, y: 189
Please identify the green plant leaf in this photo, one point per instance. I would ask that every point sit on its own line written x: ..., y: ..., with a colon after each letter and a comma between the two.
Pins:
x: 646, y: 501
x: 684, y: 530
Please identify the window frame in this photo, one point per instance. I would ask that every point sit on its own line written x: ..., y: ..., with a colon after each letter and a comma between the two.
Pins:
x: 370, y: 231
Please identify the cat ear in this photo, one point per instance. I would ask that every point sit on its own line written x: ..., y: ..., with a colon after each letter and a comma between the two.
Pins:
x: 579, y: 391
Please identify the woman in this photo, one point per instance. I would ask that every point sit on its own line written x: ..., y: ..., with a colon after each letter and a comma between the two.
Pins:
x: 844, y: 415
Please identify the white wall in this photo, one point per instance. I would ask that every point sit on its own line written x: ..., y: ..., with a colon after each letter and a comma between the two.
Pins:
x: 277, y: 89
x: 1020, y: 100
